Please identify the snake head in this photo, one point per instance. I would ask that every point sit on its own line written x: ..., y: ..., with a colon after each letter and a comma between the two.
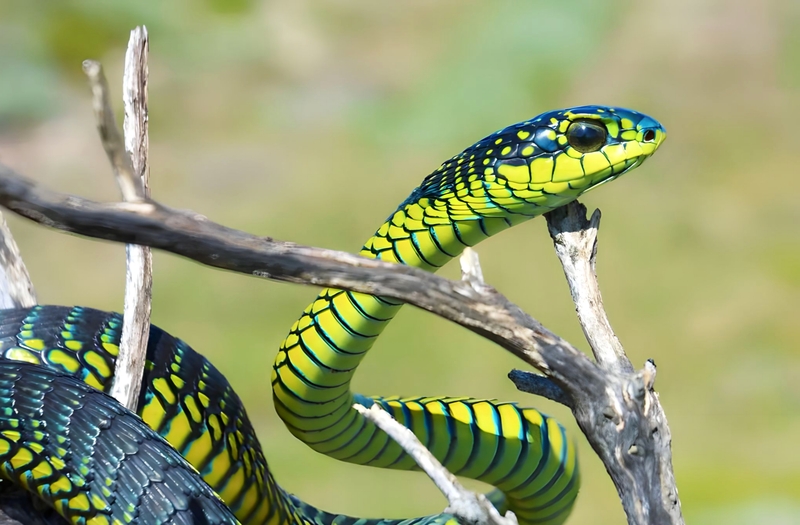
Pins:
x: 540, y: 164
x: 607, y: 141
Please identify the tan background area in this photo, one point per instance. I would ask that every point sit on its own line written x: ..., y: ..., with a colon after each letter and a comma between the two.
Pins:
x: 310, y: 121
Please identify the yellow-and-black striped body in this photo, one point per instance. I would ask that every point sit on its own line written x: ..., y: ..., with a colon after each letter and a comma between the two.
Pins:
x: 91, y: 459
x: 510, y: 176
x: 184, y: 398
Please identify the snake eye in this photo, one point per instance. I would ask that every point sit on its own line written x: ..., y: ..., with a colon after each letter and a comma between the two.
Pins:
x: 586, y: 136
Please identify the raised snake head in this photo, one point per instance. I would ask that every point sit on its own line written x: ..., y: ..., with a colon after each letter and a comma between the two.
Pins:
x: 534, y: 166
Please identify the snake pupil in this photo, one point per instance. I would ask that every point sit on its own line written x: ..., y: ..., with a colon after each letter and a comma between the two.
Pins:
x: 586, y: 136
x: 649, y: 135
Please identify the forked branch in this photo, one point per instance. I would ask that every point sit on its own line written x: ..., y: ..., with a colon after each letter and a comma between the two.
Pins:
x: 616, y: 410
x: 129, y: 161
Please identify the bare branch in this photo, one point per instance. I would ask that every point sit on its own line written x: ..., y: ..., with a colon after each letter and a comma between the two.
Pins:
x: 139, y: 259
x: 134, y: 97
x: 539, y: 385
x: 469, y: 507
x: 193, y: 236
x: 575, y: 240
x: 16, y: 287
x: 634, y: 446
x: 129, y: 184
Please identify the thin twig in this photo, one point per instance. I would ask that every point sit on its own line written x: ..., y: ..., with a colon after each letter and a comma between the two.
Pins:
x: 539, y: 385
x: 134, y: 97
x: 16, y: 287
x: 469, y: 507
x: 129, y: 368
x: 129, y: 184
x: 575, y: 241
x: 471, y: 271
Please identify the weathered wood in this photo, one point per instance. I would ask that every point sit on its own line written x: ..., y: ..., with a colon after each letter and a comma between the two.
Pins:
x: 129, y: 161
x: 16, y: 287
x: 539, y: 385
x: 129, y: 368
x: 617, y: 410
x: 471, y: 508
x: 575, y: 240
x: 639, y: 435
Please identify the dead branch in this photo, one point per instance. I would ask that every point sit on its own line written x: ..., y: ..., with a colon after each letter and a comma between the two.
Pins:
x: 616, y: 410
x: 16, y: 287
x: 113, y: 144
x: 575, y: 241
x: 139, y: 259
x: 130, y: 166
x: 539, y: 385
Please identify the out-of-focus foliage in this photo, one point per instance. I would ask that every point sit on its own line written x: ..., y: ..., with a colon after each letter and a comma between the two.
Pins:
x: 310, y: 121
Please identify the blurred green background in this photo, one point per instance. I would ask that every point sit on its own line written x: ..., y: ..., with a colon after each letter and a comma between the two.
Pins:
x: 310, y: 121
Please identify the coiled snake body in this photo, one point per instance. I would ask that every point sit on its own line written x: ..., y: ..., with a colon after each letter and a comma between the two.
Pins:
x: 510, y: 176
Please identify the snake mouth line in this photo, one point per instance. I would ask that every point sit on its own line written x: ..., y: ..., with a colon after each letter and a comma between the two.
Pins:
x: 629, y: 165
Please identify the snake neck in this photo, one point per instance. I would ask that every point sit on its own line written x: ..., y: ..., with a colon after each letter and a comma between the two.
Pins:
x: 312, y: 373
x: 507, y: 178
x: 500, y: 444
x: 471, y: 197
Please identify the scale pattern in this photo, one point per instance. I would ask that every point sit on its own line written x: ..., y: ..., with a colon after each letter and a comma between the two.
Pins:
x: 184, y: 398
x: 213, y: 433
x: 508, y: 177
x: 92, y: 460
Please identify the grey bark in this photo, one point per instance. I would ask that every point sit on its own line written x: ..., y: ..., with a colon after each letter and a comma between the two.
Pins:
x: 616, y: 409
x: 16, y: 287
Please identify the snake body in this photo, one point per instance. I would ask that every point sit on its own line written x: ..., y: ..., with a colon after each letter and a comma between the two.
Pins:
x: 510, y: 176
x: 82, y: 451
x: 507, y: 178
x: 185, y: 401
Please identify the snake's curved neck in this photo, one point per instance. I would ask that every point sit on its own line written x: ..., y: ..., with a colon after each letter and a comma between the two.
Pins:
x: 317, y: 360
x: 516, y: 173
x: 522, y: 452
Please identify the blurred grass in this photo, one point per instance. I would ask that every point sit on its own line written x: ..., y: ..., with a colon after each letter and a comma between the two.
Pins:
x: 310, y: 121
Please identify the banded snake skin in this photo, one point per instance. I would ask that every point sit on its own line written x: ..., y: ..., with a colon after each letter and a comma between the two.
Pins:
x: 515, y: 174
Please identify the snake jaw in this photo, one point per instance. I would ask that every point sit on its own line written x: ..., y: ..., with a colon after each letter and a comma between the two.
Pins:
x: 630, y: 164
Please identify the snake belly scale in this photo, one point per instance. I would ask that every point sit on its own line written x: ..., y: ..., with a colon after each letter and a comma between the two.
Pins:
x: 507, y: 178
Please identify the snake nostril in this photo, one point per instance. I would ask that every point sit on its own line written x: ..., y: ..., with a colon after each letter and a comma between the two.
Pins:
x: 649, y: 135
